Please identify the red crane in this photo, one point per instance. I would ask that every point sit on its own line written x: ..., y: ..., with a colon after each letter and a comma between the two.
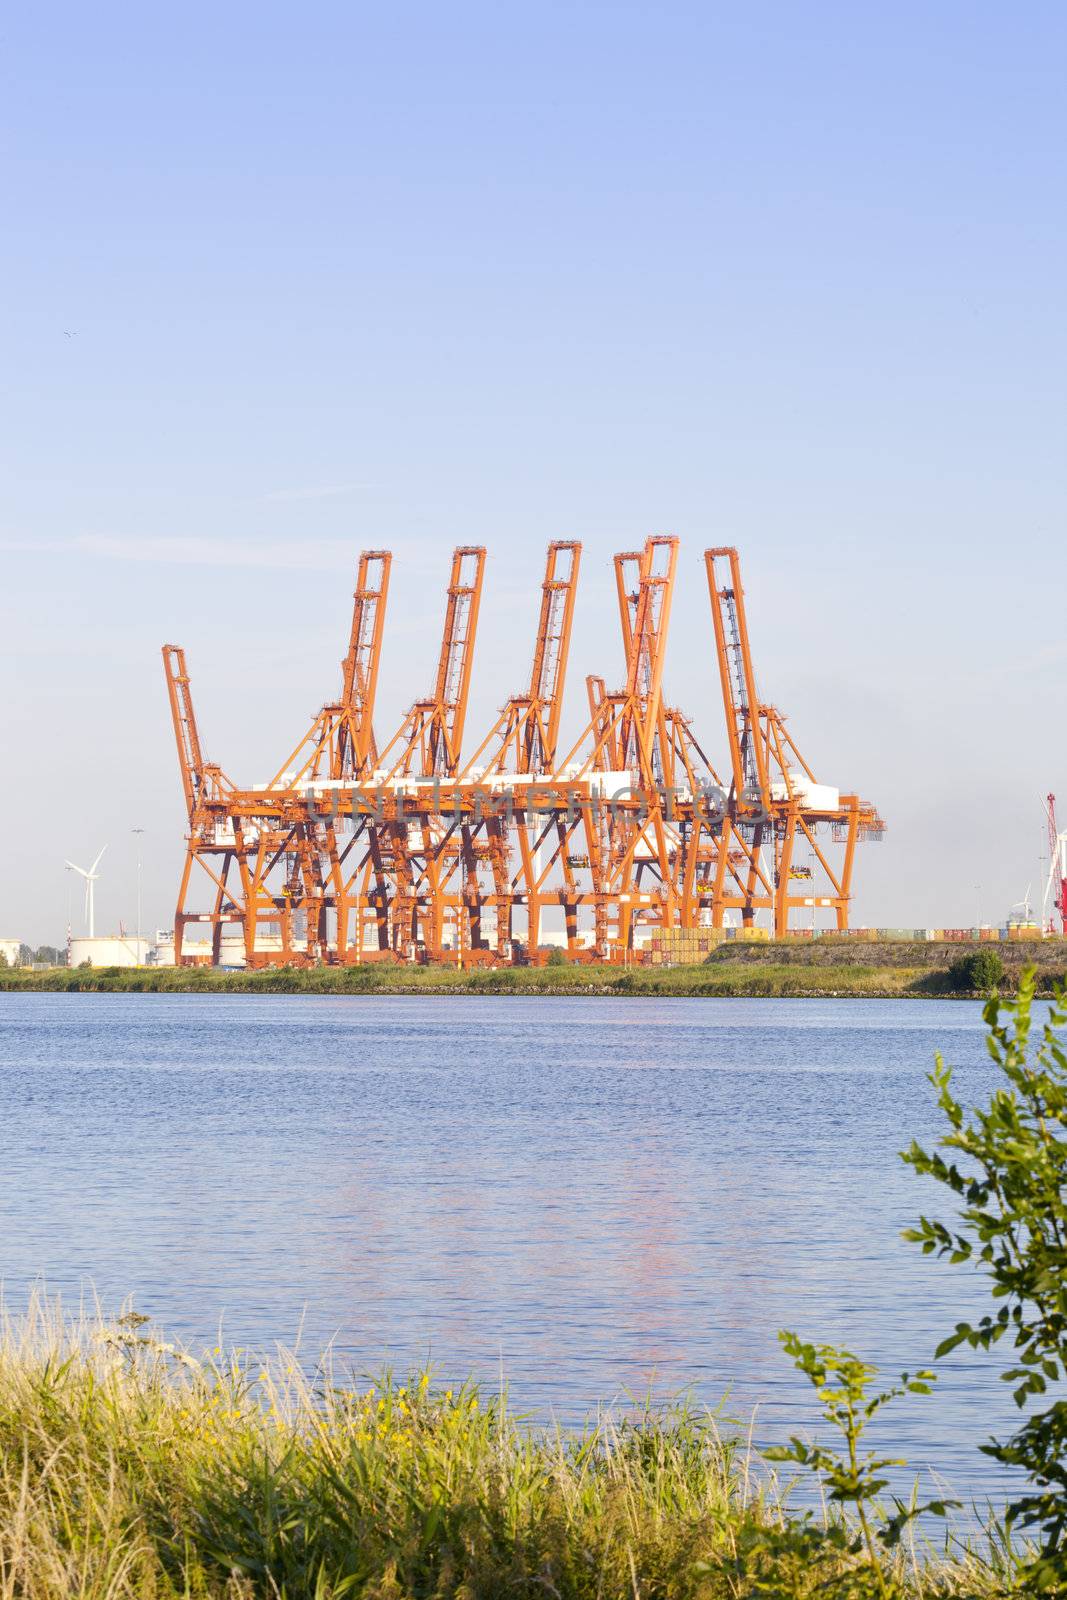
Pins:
x: 1056, y: 887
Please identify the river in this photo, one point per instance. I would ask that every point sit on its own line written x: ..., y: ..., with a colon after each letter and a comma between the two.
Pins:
x: 593, y: 1196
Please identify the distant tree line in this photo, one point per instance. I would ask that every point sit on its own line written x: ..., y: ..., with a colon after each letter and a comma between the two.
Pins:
x: 45, y: 955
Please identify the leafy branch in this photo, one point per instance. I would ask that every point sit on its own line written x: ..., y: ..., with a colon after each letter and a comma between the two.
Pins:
x: 1006, y: 1166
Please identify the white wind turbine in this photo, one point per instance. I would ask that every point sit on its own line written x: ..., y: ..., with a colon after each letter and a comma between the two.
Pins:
x: 90, y: 877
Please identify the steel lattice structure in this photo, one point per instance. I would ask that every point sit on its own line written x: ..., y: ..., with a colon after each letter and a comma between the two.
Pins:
x: 358, y: 850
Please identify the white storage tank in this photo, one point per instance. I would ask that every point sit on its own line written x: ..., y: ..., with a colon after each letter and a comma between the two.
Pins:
x: 110, y: 950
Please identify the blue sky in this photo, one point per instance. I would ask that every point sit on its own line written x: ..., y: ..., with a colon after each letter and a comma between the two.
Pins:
x: 281, y: 283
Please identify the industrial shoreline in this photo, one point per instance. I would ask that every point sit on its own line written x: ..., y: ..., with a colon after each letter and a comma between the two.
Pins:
x: 769, y: 971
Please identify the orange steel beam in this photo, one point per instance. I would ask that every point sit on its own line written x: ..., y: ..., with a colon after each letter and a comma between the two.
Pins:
x: 629, y: 565
x: 747, y: 756
x: 431, y: 733
x: 649, y: 639
x: 524, y: 735
x: 606, y: 755
x: 548, y: 677
x: 457, y: 657
x: 186, y: 735
x: 355, y: 746
x: 625, y: 723
x: 208, y: 798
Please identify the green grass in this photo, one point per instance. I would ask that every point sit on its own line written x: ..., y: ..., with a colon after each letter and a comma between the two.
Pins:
x: 775, y: 973
x: 129, y: 1469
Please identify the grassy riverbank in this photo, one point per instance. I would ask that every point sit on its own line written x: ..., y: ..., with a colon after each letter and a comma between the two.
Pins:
x: 129, y: 1469
x: 825, y: 968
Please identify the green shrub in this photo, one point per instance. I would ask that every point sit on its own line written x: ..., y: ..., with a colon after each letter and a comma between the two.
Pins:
x: 850, y: 1481
x: 1006, y: 1166
x: 980, y: 970
x: 556, y: 957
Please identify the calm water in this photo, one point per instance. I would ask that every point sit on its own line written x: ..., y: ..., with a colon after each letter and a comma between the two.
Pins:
x: 593, y: 1194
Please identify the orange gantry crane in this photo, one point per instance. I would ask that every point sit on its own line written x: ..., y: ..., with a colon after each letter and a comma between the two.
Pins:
x: 353, y: 852
x: 775, y: 803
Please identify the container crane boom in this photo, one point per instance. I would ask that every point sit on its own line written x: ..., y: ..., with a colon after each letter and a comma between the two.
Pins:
x: 775, y: 801
x: 355, y: 742
x: 431, y: 736
x: 457, y: 657
x: 524, y: 736
x: 648, y: 644
x: 629, y: 565
x: 186, y: 735
x: 748, y: 758
x: 549, y: 672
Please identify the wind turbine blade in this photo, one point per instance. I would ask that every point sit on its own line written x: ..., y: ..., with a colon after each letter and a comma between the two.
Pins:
x: 73, y: 868
x: 96, y: 863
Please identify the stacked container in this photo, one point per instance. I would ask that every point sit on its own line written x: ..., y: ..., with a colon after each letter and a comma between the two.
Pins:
x: 684, y: 947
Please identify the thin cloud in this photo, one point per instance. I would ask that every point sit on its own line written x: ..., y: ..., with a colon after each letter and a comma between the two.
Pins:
x: 324, y: 491
x: 319, y: 555
x: 197, y: 551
